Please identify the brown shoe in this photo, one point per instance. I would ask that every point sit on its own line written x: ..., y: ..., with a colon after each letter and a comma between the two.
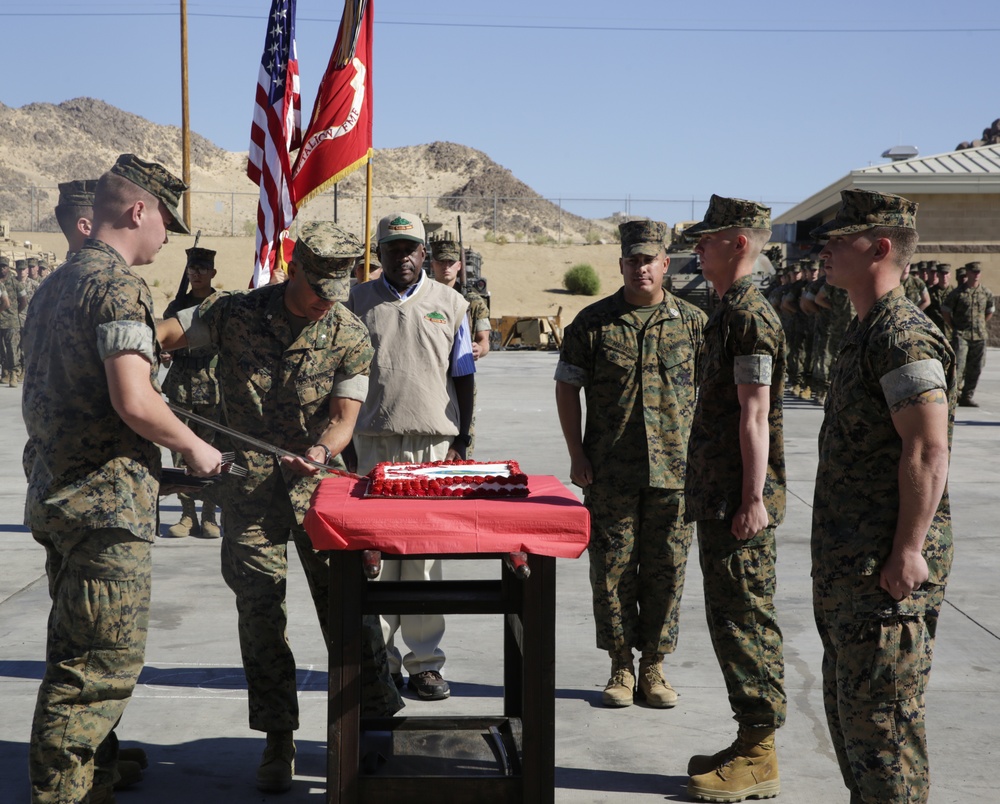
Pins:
x: 621, y: 686
x: 749, y: 769
x: 654, y: 688
x: 277, y: 764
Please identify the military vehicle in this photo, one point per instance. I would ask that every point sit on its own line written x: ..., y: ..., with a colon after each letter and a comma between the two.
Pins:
x: 684, y: 277
x: 474, y: 279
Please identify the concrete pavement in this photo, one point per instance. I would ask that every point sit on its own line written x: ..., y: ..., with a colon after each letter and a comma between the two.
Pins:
x: 189, y: 710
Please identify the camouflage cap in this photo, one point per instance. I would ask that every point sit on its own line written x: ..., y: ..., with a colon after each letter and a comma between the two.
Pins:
x: 731, y: 213
x: 326, y: 254
x: 401, y: 226
x: 200, y: 257
x: 960, y: 272
x: 156, y: 180
x: 642, y: 237
x: 21, y: 265
x: 861, y: 210
x: 445, y: 251
x: 975, y: 267
x: 914, y: 269
x: 32, y: 262
x: 4, y: 261
x: 942, y: 268
x: 78, y: 193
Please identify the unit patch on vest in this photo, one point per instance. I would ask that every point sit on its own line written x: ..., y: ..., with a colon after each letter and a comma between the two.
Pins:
x: 436, y: 318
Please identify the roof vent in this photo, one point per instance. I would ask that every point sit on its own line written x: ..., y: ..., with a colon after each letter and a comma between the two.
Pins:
x: 899, y: 152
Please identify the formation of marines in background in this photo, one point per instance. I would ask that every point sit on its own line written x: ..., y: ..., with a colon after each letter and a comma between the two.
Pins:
x: 815, y: 315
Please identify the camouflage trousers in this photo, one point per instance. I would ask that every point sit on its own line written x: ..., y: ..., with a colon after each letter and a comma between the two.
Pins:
x: 740, y: 583
x: 970, y: 357
x: 638, y: 552
x: 10, y: 349
x: 795, y: 367
x: 99, y: 581
x: 255, y: 567
x: 822, y: 360
x: 876, y: 664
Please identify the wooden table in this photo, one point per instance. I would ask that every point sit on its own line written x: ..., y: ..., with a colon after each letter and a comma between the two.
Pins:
x: 549, y: 523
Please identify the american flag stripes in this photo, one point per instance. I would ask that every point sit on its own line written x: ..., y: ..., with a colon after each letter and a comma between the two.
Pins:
x: 276, y: 130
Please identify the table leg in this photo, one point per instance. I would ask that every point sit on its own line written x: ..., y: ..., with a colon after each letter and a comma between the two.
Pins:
x: 347, y: 588
x: 539, y: 649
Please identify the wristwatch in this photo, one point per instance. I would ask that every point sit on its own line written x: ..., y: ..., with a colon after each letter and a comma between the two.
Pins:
x: 326, y: 449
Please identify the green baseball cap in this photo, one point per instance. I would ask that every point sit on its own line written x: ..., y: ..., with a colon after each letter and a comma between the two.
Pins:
x: 326, y: 253
x: 861, y: 210
x: 642, y: 237
x: 401, y: 226
x: 731, y: 213
x: 156, y: 180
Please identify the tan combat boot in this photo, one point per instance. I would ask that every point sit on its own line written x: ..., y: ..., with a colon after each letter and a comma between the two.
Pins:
x: 621, y: 685
x: 806, y: 393
x: 12, y: 380
x: 747, y: 769
x: 653, y: 686
x: 209, y: 527
x: 188, y: 526
x: 277, y: 764
x: 5, y: 377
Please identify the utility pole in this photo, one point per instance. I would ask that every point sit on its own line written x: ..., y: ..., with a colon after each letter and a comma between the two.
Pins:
x: 185, y: 120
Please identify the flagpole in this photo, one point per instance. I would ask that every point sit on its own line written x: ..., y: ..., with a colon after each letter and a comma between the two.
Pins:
x: 368, y: 217
x: 185, y: 121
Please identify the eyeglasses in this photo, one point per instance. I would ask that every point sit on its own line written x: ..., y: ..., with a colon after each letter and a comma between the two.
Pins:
x: 200, y: 269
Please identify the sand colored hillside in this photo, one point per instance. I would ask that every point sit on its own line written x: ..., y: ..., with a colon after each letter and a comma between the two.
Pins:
x: 523, y: 279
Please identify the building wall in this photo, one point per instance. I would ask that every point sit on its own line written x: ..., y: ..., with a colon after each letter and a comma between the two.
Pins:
x: 958, y: 217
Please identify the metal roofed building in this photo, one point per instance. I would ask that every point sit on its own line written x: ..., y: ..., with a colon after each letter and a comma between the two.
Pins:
x: 959, y: 213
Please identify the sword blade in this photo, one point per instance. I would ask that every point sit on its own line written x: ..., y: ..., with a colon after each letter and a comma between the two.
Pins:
x: 259, y: 444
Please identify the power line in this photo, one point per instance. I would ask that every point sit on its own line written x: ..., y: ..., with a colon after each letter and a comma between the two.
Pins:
x: 523, y: 26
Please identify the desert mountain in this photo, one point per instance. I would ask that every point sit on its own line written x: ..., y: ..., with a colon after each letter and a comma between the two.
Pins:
x: 42, y: 144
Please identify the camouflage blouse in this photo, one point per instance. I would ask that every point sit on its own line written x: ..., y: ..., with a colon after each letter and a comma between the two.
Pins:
x: 896, y: 352
x: 744, y: 344
x: 968, y: 308
x: 275, y: 386
x: 639, y: 383
x: 85, y: 468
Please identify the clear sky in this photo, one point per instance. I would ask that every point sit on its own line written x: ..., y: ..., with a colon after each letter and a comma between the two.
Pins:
x: 628, y: 100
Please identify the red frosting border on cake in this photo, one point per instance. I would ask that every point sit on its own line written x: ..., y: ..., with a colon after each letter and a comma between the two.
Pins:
x: 438, y: 487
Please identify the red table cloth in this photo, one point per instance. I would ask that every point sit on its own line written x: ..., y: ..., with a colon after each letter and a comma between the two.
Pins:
x: 550, y: 521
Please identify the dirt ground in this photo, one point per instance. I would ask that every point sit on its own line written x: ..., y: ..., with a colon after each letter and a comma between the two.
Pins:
x: 523, y: 279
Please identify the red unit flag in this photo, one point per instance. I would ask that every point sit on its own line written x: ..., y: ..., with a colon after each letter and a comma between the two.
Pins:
x: 275, y: 132
x: 339, y: 138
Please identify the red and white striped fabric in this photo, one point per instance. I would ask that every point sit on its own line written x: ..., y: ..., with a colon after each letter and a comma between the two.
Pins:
x: 276, y: 130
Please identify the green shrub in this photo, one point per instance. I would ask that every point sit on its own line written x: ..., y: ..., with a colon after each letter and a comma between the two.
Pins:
x: 582, y: 280
x: 543, y: 239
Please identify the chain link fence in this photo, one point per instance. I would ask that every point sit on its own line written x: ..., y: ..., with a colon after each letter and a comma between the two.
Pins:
x: 29, y: 208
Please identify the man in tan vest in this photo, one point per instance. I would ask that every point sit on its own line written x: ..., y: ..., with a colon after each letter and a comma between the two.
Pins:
x: 419, y: 409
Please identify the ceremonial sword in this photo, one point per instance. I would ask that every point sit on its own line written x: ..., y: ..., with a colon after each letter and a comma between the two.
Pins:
x: 261, y: 446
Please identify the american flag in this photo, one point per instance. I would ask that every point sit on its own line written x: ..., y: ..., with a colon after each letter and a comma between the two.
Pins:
x: 276, y: 130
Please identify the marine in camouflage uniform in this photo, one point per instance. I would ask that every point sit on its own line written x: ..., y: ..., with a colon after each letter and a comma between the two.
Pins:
x: 797, y: 326
x: 13, y: 299
x: 446, y: 262
x: 938, y: 291
x: 881, y: 552
x: 634, y: 355
x: 742, y: 368
x: 834, y: 314
x: 29, y: 286
x: 293, y: 369
x: 93, y: 481
x: 191, y: 383
x: 915, y: 288
x: 967, y: 309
